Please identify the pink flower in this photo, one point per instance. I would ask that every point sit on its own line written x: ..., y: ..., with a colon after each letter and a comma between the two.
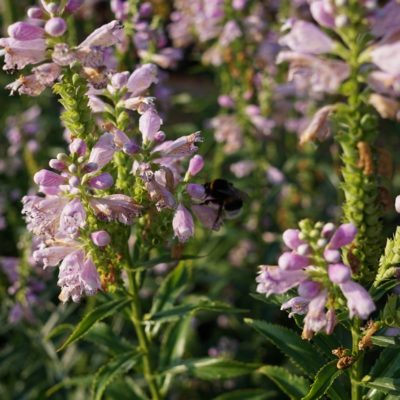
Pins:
x: 343, y: 236
x: 149, y: 125
x: 339, y: 273
x: 386, y: 55
x: 142, y: 78
x: 310, y: 72
x: 196, y: 191
x: 181, y: 147
x: 105, y: 36
x: 77, y: 277
x: 103, y: 151
x: 182, y: 223
x: 45, y: 177
x: 19, y: 53
x: 52, y: 256
x: 275, y: 280
x: 292, y: 261
x: 115, y: 207
x: 306, y: 37
x: 208, y: 216
x: 25, y: 31
x: 102, y: 182
x: 322, y: 12
x: 291, y: 238
x: 72, y: 218
x: 315, y: 320
x: 196, y: 164
x: 100, y: 238
x: 55, y: 26
x: 359, y: 301
x: 298, y: 306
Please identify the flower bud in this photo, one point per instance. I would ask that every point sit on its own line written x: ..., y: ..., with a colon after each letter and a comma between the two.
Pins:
x: 330, y: 321
x: 103, y: 181
x: 55, y: 26
x: 332, y: 256
x: 45, y: 177
x: 25, y: 31
x: 100, y: 238
x: 195, y: 191
x: 149, y: 125
x: 309, y: 289
x: 78, y: 146
x: 291, y: 238
x: 74, y: 181
x: 131, y: 147
x: 196, y: 164
x: 72, y: 168
x: 62, y: 157
x: 339, y: 273
x: 73, y: 5
x: 159, y: 137
x: 238, y: 5
x: 145, y: 10
x: 91, y: 167
x: 292, y: 261
x: 51, y: 8
x: 344, y: 235
x: 35, y: 13
x: 397, y: 204
x: 56, y: 164
x: 303, y: 249
x: 226, y: 101
x: 328, y: 230
x: 183, y: 224
x: 119, y: 79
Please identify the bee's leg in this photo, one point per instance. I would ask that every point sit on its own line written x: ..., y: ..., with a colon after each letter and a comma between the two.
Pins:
x: 219, y: 215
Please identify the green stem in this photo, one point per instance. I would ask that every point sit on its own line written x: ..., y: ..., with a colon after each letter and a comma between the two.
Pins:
x: 357, y: 367
x: 143, y: 339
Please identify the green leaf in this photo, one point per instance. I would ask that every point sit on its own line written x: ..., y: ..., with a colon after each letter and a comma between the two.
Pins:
x: 103, y: 336
x: 248, y: 394
x: 174, y: 342
x: 386, y: 341
x: 386, y: 385
x: 172, y: 286
x: 293, y: 386
x: 108, y: 372
x: 387, y: 364
x: 301, y: 352
x: 80, y: 381
x: 59, y: 329
x: 174, y: 313
x: 98, y: 314
x: 323, y: 381
x: 213, y: 368
x: 378, y: 292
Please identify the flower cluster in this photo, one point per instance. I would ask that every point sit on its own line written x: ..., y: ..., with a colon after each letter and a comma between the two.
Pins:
x: 72, y: 195
x: 319, y: 63
x: 314, y: 266
x: 40, y: 41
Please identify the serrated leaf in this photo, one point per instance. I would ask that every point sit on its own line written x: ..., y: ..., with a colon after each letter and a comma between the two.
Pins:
x: 377, y: 292
x: 247, y: 394
x: 301, y: 352
x: 385, y: 385
x: 292, y: 385
x: 108, y: 372
x: 323, y: 381
x: 92, y: 317
x: 386, y: 341
x: 171, y: 288
x: 387, y: 365
x: 213, y: 368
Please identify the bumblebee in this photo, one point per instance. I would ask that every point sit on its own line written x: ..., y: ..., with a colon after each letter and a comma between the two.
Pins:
x: 223, y: 194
